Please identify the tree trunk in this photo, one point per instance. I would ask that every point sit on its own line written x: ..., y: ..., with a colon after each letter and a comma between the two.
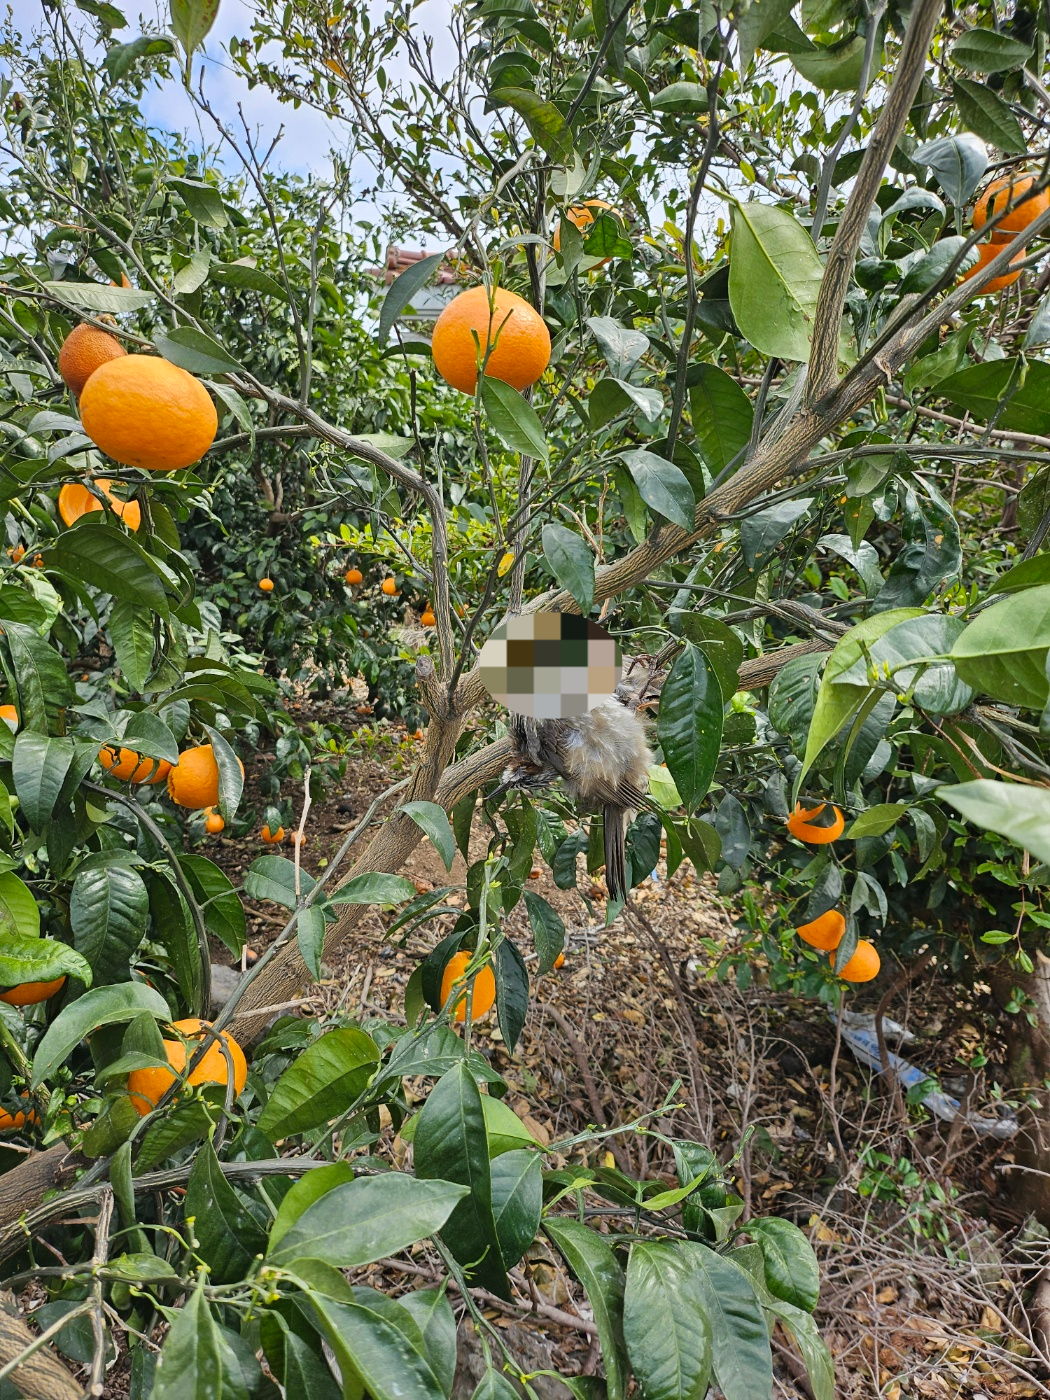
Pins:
x: 1028, y: 1060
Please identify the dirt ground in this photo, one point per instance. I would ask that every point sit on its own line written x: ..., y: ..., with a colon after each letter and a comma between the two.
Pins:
x: 927, y: 1275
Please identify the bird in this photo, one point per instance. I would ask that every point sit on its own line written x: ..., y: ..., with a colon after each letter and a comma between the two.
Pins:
x: 603, y: 759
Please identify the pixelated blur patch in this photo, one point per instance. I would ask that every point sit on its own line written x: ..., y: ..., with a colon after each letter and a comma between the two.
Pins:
x: 550, y: 665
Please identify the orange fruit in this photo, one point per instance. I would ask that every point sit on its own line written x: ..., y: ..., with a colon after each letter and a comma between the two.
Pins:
x: 824, y: 932
x: 146, y: 1086
x: 84, y: 349
x: 353, y: 577
x: 194, y: 781
x: 130, y: 767
x: 272, y: 838
x: 145, y: 412
x: 389, y: 587
x: 985, y: 253
x: 484, y: 981
x: 520, y: 341
x: 30, y: 993
x: 38, y: 561
x: 213, y: 823
x: 863, y: 965
x: 800, y: 824
x: 428, y: 619
x: 559, y: 961
x: 266, y: 584
x: 75, y: 500
x: 581, y: 216
x: 11, y: 1122
x: 9, y: 714
x: 998, y: 195
x: 17, y: 554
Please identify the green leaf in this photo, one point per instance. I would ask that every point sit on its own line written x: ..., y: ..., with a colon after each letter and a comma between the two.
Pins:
x: 494, y: 1386
x: 689, y: 725
x: 835, y: 67
x: 223, y: 910
x: 432, y: 819
x: 273, y: 878
x: 876, y: 820
x: 755, y: 23
x: 543, y: 118
x: 791, y: 1268
x: 196, y: 352
x: 743, y: 1367
x: 958, y: 162
x: 504, y: 1129
x: 299, y: 1367
x: 39, y: 769
x: 103, y: 1006
x: 322, y: 1083
x: 93, y: 296
x: 192, y: 21
x: 131, y: 632
x: 722, y: 414
x: 203, y: 201
x: 571, y: 562
x: 108, y: 910
x: 24, y: 958
x: 987, y: 51
x: 227, y: 1233
x: 19, y: 912
x: 512, y: 991
x: 242, y: 276
x: 189, y: 1365
x: 761, y: 532
x: 665, y: 1326
x: 720, y: 644
x: 403, y: 288
x: 303, y: 1193
x: 432, y: 1313
x: 514, y: 418
x: 998, y: 389
x: 681, y: 97
x: 595, y: 1265
x: 231, y: 774
x: 517, y: 1201
x: 1020, y: 813
x: 310, y: 934
x: 112, y: 562
x: 451, y: 1145
x: 374, y: 888
x: 120, y: 58
x: 174, y: 930
x: 374, y: 1351
x: 662, y: 486
x: 548, y: 930
x: 40, y: 675
x: 1029, y: 573
x: 986, y: 114
x: 774, y: 280
x: 820, y: 1365
x: 360, y: 1221
x: 1003, y: 651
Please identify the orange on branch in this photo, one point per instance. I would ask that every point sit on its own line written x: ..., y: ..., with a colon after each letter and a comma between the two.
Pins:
x: 803, y: 823
x: 824, y: 932
x: 131, y: 767
x: 75, y: 500
x: 863, y: 965
x: 194, y: 781
x: 266, y: 584
x: 17, y: 554
x: 484, y: 995
x: 985, y: 253
x: 32, y: 993
x: 353, y: 577
x: 520, y: 341
x: 272, y: 838
x: 428, y: 619
x: 998, y: 195
x: 146, y: 1086
x: 213, y: 823
x: 11, y: 1122
x: 389, y: 587
x: 145, y: 412
x: 83, y: 351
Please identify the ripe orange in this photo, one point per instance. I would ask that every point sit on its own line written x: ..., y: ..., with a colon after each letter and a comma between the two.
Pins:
x: 194, y: 781
x: 428, y: 619
x: 559, y: 961
x: 581, y: 216
x: 145, y: 412
x: 389, y: 587
x: 146, y: 1086
x: 521, y: 343
x: 985, y: 253
x: 213, y: 823
x: 353, y: 577
x: 800, y: 824
x: 131, y: 767
x: 863, y: 965
x: 38, y: 561
x: 9, y: 714
x: 30, y: 993
x: 484, y: 995
x: 17, y: 554
x: 266, y: 584
x: 824, y: 932
x: 272, y: 838
x: 998, y: 195
x: 11, y: 1122
x: 83, y: 350
x: 75, y: 500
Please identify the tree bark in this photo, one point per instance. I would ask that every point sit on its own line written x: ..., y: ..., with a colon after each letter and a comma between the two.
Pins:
x: 1028, y: 1060
x: 40, y: 1376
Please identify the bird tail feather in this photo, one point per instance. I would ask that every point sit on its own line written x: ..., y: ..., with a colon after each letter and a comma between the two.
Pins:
x: 616, y: 852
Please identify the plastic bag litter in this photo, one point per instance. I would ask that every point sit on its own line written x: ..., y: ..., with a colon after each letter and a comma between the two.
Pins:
x: 858, y: 1031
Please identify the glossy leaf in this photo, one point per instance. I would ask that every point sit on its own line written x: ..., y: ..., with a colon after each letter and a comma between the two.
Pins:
x: 517, y: 1201
x: 514, y: 418
x: 227, y: 1233
x: 39, y: 768
x: 27, y: 958
x: 791, y: 1268
x: 722, y: 414
x: 1003, y: 651
x: 310, y: 1187
x: 958, y: 162
x: 320, y: 1084
x: 432, y: 1313
x: 662, y: 486
x: 987, y: 51
x: 111, y: 561
x: 774, y: 279
x: 548, y: 930
x: 223, y: 910
x: 986, y: 114
x: 512, y: 991
x: 131, y: 631
x: 374, y: 888
x: 743, y: 1366
x: 433, y: 820
x: 108, y: 912
x: 190, y: 1360
x: 369, y: 1345
x: 591, y: 1259
x: 665, y: 1324
x: 196, y: 352
x: 690, y: 724
x: 103, y: 1006
x: 571, y: 562
x: 1020, y: 813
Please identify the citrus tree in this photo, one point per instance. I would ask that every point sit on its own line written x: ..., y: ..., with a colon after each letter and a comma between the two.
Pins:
x: 702, y: 407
